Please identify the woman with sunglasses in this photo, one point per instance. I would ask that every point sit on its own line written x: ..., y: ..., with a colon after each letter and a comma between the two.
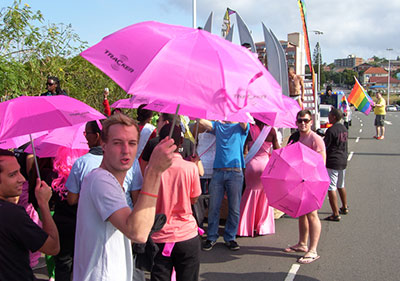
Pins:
x: 53, y: 87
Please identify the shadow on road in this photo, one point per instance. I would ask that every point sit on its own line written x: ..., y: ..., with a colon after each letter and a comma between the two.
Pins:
x: 376, y: 154
x: 254, y: 276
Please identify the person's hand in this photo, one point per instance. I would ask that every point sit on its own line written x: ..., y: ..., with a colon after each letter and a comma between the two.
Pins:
x: 193, y: 158
x: 106, y: 92
x: 302, y: 99
x: 43, y: 192
x: 161, y: 157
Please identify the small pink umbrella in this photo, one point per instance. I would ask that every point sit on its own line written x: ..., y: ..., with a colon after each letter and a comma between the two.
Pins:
x: 71, y: 137
x: 27, y: 114
x: 18, y: 141
x: 295, y: 180
x: 185, y: 66
x: 133, y: 102
x: 286, y: 118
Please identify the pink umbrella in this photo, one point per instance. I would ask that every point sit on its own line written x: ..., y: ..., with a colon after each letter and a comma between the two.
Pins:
x: 286, y: 118
x: 185, y: 66
x: 18, y: 141
x: 26, y: 115
x: 71, y: 137
x: 295, y: 180
x: 133, y: 102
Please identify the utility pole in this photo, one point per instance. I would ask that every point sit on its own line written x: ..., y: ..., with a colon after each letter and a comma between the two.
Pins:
x: 388, y: 100
x: 318, y: 32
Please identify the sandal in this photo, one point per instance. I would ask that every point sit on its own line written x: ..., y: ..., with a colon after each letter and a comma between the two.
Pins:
x: 296, y: 249
x: 312, y: 256
x: 344, y: 211
x: 332, y: 218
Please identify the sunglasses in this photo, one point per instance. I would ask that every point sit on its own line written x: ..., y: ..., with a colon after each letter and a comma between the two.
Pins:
x: 87, y: 133
x: 301, y: 120
x: 50, y: 84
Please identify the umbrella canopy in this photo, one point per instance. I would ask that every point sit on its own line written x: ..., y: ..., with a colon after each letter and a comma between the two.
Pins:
x: 295, y: 180
x: 18, y: 141
x: 26, y: 115
x: 71, y: 137
x: 133, y: 102
x: 185, y: 66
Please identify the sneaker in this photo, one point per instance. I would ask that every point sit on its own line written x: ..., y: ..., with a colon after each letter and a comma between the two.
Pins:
x: 208, y: 245
x: 232, y: 245
x: 375, y: 137
x: 380, y: 138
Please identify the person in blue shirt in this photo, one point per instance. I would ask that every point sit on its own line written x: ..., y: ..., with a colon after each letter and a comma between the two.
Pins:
x: 227, y: 177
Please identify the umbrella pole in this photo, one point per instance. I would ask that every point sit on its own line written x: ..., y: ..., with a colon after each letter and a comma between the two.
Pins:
x: 34, y: 157
x: 174, y: 122
x: 196, y: 133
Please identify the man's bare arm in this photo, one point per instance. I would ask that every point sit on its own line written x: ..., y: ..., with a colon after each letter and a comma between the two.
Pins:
x: 204, y: 125
x: 136, y: 224
x: 43, y: 194
x: 72, y: 198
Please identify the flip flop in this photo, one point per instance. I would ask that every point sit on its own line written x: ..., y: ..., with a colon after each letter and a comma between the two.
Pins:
x: 344, y: 211
x: 307, y: 260
x: 332, y: 218
x: 296, y: 249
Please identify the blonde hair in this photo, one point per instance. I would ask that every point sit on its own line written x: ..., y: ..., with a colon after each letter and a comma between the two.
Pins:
x: 115, y: 119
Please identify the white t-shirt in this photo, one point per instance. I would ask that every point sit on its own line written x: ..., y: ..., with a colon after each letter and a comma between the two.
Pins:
x: 102, y: 252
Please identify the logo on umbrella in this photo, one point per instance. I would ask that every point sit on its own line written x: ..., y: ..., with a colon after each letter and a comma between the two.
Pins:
x: 119, y: 62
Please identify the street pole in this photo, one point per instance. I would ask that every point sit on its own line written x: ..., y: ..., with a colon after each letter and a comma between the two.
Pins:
x: 388, y: 93
x: 194, y: 4
x: 318, y: 33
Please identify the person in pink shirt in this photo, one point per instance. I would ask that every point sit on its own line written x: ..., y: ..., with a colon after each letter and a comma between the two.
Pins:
x: 309, y: 224
x: 179, y: 189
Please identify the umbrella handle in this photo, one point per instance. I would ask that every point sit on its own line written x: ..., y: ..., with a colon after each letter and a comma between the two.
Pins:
x: 174, y: 121
x: 196, y: 133
x: 34, y: 156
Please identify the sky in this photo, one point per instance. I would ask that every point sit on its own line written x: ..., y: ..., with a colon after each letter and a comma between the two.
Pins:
x: 360, y: 27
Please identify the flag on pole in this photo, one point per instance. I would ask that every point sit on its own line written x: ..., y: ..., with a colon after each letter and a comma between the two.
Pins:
x: 303, y: 14
x: 360, y: 99
x: 226, y: 25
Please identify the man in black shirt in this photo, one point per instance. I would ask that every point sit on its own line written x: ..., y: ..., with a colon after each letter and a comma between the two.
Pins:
x: 18, y: 233
x: 336, y: 162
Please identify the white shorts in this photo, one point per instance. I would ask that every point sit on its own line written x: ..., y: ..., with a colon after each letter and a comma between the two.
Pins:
x: 337, y: 179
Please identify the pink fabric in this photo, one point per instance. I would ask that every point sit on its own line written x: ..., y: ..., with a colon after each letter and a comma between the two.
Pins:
x: 255, y: 213
x: 168, y: 247
x: 179, y: 183
x: 23, y: 201
x: 313, y: 141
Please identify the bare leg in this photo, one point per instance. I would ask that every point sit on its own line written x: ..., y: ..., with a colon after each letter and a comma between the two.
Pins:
x: 333, y: 202
x: 382, y: 131
x: 303, y: 230
x: 343, y: 196
x: 378, y: 131
x: 315, y: 230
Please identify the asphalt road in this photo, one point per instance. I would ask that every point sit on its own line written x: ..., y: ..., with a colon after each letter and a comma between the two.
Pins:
x: 363, y: 246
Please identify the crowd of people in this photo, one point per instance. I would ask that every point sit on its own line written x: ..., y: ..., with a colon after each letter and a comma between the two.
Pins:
x: 104, y: 202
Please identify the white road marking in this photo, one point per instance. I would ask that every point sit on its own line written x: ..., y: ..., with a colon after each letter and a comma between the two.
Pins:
x: 388, y: 122
x: 350, y: 156
x: 360, y: 130
x: 292, y: 272
x: 361, y: 124
x: 358, y: 139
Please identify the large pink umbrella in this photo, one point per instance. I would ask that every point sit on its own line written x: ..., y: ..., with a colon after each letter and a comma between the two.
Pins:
x: 71, y: 137
x: 18, y: 141
x: 295, y: 180
x: 185, y: 66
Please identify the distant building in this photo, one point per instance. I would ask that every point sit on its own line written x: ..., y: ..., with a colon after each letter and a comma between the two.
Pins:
x: 373, y: 72
x: 351, y: 61
x: 294, y: 50
x: 382, y: 82
x: 362, y: 67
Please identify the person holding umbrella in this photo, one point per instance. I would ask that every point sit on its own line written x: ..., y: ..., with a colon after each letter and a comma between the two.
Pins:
x: 309, y: 224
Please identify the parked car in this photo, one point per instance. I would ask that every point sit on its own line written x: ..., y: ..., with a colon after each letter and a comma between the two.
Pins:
x: 323, y: 116
x: 391, y: 108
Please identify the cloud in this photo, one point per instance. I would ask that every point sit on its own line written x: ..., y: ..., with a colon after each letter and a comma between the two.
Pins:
x: 361, y: 27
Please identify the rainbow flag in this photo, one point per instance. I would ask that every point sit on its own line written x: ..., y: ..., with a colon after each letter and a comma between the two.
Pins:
x: 303, y: 14
x: 360, y: 99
